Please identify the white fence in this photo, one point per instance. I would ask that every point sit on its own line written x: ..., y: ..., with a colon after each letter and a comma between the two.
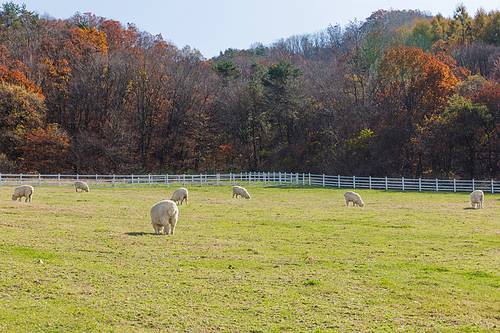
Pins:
x: 270, y: 178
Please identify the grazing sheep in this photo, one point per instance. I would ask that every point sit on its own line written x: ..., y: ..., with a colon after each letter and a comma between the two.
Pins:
x: 354, y: 198
x: 242, y: 192
x: 23, y: 191
x: 164, y: 217
x: 477, y: 199
x: 180, y: 195
x: 82, y: 186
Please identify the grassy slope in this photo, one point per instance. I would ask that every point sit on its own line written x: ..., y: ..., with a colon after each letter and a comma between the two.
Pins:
x: 289, y: 259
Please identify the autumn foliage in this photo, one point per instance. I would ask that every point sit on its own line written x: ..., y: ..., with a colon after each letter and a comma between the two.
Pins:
x: 399, y: 94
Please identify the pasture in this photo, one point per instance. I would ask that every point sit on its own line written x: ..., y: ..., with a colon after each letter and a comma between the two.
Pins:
x: 290, y: 259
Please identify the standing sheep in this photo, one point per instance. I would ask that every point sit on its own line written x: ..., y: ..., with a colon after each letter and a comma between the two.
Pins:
x: 477, y: 199
x: 242, y: 192
x: 354, y: 198
x: 23, y: 191
x: 180, y: 195
x: 164, y: 217
x: 82, y: 186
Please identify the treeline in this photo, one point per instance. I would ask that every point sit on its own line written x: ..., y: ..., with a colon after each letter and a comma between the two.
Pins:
x: 402, y: 93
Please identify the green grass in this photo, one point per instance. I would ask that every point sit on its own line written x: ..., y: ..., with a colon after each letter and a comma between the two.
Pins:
x: 291, y: 259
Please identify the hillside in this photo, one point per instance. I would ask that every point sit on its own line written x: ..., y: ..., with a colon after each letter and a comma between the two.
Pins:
x: 402, y: 93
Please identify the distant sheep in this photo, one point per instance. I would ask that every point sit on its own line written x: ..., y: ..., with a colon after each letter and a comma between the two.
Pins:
x: 164, y: 217
x: 242, y: 192
x: 354, y: 198
x: 82, y: 186
x: 23, y: 191
x: 180, y: 195
x: 477, y: 199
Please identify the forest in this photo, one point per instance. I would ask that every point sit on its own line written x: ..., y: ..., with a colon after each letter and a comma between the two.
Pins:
x: 400, y: 94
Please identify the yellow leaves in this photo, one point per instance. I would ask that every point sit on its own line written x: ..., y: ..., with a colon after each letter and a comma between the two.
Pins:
x: 93, y: 36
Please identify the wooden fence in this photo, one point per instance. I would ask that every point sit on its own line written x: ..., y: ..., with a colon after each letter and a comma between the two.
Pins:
x: 254, y: 178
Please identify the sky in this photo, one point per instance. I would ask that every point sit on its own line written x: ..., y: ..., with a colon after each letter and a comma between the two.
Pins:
x: 212, y: 26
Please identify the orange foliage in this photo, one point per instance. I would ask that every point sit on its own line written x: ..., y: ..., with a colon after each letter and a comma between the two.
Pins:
x: 94, y: 37
x: 11, y: 71
x: 45, y: 150
x: 420, y: 77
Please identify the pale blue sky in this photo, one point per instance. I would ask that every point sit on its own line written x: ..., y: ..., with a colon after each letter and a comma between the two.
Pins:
x: 212, y: 26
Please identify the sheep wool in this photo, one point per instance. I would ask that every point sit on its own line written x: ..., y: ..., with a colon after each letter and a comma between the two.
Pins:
x: 242, y: 192
x: 23, y: 191
x: 354, y: 198
x: 180, y: 195
x: 477, y: 199
x: 79, y: 185
x: 164, y: 217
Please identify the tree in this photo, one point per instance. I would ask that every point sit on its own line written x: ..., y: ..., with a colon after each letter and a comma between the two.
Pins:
x: 45, y: 150
x: 21, y: 112
x: 415, y: 87
x: 469, y: 123
x: 462, y: 23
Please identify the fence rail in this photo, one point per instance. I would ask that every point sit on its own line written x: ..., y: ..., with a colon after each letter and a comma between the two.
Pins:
x: 254, y: 178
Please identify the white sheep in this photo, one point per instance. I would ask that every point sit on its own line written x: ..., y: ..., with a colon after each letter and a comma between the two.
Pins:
x: 242, y: 192
x: 354, y: 198
x: 164, y: 217
x: 477, y: 199
x: 23, y: 191
x: 82, y: 186
x: 180, y: 195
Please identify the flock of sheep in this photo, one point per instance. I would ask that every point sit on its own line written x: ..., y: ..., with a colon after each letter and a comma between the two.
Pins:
x: 165, y: 213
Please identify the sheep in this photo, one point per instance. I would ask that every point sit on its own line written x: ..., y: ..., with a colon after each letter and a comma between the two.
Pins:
x: 180, y: 195
x: 354, y: 198
x: 23, y: 191
x: 164, y: 217
x: 242, y: 192
x: 82, y: 186
x: 477, y: 199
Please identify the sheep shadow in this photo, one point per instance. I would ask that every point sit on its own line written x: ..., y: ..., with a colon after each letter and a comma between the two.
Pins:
x: 470, y: 208
x: 140, y: 233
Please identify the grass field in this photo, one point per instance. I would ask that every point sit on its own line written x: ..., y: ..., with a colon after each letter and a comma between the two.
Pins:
x: 290, y: 259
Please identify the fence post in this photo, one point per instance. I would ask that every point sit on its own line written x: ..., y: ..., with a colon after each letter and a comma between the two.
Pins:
x: 20, y: 179
x: 149, y: 180
x: 420, y: 184
x: 114, y: 180
x: 0, y: 179
x: 96, y: 181
x: 403, y: 183
x: 39, y: 180
x: 303, y: 179
x: 201, y: 179
x: 353, y: 181
x: 370, y: 182
x: 454, y: 185
x: 249, y: 177
x: 492, y: 187
x: 184, y: 179
x: 279, y: 175
x: 323, y: 180
x: 472, y: 185
x: 437, y: 185
x: 59, y: 179
x: 132, y: 180
x: 338, y: 178
x: 386, y: 188
x: 309, y: 179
